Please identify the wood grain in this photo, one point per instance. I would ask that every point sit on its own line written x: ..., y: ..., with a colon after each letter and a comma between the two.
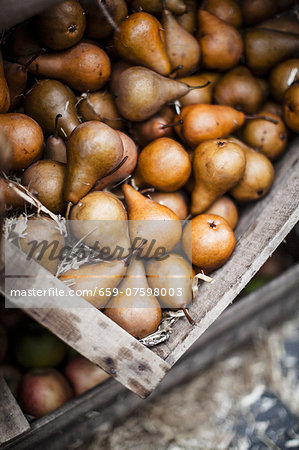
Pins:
x: 12, y: 420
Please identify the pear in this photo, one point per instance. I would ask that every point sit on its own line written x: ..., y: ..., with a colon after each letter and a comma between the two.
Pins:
x: 176, y: 201
x: 42, y: 240
x: 172, y: 279
x: 213, y: 241
x: 155, y: 6
x: 181, y: 47
x: 9, y: 196
x: 93, y: 150
x: 203, y: 122
x: 264, y: 49
x: 291, y: 107
x: 100, y: 220
x: 21, y: 42
x: 218, y: 165
x: 254, y: 11
x: 288, y: 24
x: 125, y: 170
x: 117, y: 69
x: 46, y: 178
x: 227, y: 10
x: 61, y: 26
x: 266, y: 137
x: 163, y: 164
x: 84, y: 67
x: 188, y: 19
x: 239, y: 89
x: 203, y: 95
x: 4, y: 91
x: 25, y: 139
x: 271, y: 107
x: 16, y: 78
x: 225, y: 207
x: 98, y: 26
x: 96, y: 281
x: 159, y: 125
x: 141, y: 93
x: 45, y: 100
x: 257, y: 178
x: 151, y: 221
x: 55, y: 146
x: 139, y: 40
x: 138, y: 314
x: 282, y: 76
x: 221, y: 44
x: 100, y: 106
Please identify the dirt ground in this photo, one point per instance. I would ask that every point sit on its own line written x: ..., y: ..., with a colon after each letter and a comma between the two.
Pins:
x: 202, y: 414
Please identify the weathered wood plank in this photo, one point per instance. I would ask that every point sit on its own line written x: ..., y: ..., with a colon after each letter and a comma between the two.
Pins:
x: 86, y: 329
x: 12, y: 420
x: 261, y: 231
x: 102, y: 407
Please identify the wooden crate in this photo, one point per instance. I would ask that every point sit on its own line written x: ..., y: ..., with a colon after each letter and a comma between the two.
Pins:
x: 107, y: 404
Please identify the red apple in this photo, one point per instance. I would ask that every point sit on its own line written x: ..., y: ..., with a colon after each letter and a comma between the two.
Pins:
x: 84, y: 375
x: 42, y: 391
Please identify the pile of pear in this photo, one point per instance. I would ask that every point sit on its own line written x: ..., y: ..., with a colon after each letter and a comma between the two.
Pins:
x: 146, y: 110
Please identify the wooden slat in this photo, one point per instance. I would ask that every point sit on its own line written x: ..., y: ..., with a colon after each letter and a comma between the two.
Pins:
x: 12, y: 420
x: 86, y: 329
x: 261, y: 230
x: 109, y: 403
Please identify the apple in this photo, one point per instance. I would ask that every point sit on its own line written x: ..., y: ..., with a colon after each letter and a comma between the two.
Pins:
x: 43, y: 390
x: 84, y: 375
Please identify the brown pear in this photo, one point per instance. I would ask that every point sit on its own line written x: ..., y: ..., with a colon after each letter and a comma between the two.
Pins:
x: 291, y: 107
x: 84, y: 67
x: 55, y: 146
x: 48, y: 98
x: 176, y: 201
x: 100, y: 221
x: 218, y: 165
x: 240, y: 90
x: 61, y: 26
x: 124, y: 171
x: 102, y: 18
x: 155, y: 6
x: 271, y: 107
x: 203, y: 122
x: 172, y: 279
x: 25, y: 138
x: 264, y: 49
x: 288, y: 24
x: 4, y: 90
x: 225, y: 207
x: 93, y: 150
x: 255, y: 11
x: 257, y: 178
x: 189, y: 18
x: 141, y: 93
x: 151, y: 221
x: 96, y: 281
x: 282, y: 76
x: 203, y: 95
x: 221, y: 44
x: 163, y: 164
x: 140, y: 315
x: 157, y: 126
x: 41, y: 230
x: 21, y: 41
x: 117, y: 68
x: 213, y: 241
x: 46, y: 178
x: 227, y: 10
x: 16, y: 78
x: 100, y: 106
x: 9, y: 196
x: 266, y: 137
x: 181, y: 47
x: 139, y: 39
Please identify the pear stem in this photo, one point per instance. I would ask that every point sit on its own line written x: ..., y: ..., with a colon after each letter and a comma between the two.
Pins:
x: 147, y: 190
x: 56, y: 125
x: 107, y: 15
x: 68, y: 209
x: 189, y: 318
x: 117, y: 167
x: 33, y: 58
x: 163, y: 4
x: 179, y: 67
x: 191, y: 88
x: 258, y: 116
x: 174, y: 124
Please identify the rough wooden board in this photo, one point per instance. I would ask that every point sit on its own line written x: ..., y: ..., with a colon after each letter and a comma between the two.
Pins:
x: 260, y: 232
x: 12, y: 420
x: 87, y: 330
x: 100, y: 408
